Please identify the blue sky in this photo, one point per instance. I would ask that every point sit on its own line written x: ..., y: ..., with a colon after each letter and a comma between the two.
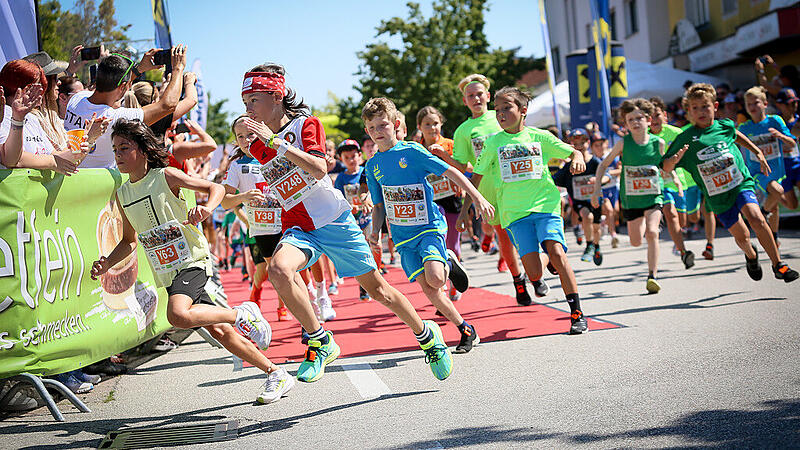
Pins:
x: 315, y: 40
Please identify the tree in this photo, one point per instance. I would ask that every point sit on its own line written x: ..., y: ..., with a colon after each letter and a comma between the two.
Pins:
x: 86, y: 24
x: 436, y: 53
x: 218, y: 121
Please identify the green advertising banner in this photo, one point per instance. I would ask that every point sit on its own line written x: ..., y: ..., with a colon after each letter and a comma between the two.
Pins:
x: 53, y: 316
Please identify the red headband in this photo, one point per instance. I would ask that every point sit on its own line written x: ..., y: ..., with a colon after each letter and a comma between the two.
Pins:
x: 263, y: 82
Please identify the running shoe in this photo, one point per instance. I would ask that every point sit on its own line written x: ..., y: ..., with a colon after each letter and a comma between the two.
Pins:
x: 164, y: 345
x: 362, y: 294
x: 540, y: 287
x: 458, y: 276
x: 753, y: 267
x: 614, y: 242
x: 392, y: 260
x: 688, y: 259
x: 502, y: 266
x: 454, y: 294
x: 578, y: 323
x: 598, y: 257
x: 486, y: 244
x: 326, y: 308
x: 317, y: 357
x: 475, y: 245
x: 783, y: 272
x: 552, y: 268
x: 283, y: 314
x: 652, y: 286
x: 86, y: 378
x: 494, y: 250
x: 469, y: 339
x: 436, y: 352
x: 74, y: 384
x: 578, y: 231
x: 523, y: 298
x: 708, y: 253
x: 277, y: 385
x: 251, y: 324
x: 587, y: 253
x: 333, y: 289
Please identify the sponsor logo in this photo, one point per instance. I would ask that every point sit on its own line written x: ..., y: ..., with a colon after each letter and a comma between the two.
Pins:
x: 402, y: 163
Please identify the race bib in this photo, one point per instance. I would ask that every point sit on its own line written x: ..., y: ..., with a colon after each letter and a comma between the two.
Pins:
x: 582, y: 187
x: 477, y: 145
x: 642, y: 180
x: 290, y: 184
x: 441, y: 186
x: 768, y: 144
x: 166, y: 247
x: 264, y: 215
x: 405, y: 205
x: 520, y: 162
x: 720, y: 174
x: 791, y: 151
x: 352, y: 196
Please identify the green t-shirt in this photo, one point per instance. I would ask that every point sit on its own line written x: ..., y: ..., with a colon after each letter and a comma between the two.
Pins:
x: 668, y: 134
x: 641, y: 184
x: 468, y: 142
x: 714, y: 162
x: 516, y: 165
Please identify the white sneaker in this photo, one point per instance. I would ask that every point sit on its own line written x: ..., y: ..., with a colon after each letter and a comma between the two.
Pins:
x: 326, y: 308
x: 316, y: 308
x: 278, y: 383
x: 252, y: 324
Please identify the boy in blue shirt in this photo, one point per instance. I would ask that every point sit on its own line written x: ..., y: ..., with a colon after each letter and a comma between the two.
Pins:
x: 401, y: 193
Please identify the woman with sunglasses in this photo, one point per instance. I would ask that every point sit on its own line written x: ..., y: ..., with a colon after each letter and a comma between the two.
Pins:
x: 114, y: 77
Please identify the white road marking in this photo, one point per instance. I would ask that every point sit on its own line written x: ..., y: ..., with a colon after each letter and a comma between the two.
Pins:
x: 366, y: 381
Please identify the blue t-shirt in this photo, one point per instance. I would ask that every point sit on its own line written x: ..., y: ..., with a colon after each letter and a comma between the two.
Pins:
x: 770, y: 146
x: 396, y: 178
x: 346, y: 179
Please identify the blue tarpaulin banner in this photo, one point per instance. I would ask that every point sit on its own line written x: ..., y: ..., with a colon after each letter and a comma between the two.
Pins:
x: 18, y: 35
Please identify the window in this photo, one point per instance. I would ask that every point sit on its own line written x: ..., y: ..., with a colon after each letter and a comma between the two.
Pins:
x: 729, y: 7
x: 556, y: 62
x: 696, y: 12
x: 612, y: 18
x: 631, y: 19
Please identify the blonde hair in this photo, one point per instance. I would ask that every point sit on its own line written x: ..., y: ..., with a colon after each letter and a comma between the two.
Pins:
x: 377, y: 106
x: 146, y: 92
x: 475, y: 77
x: 47, y: 114
x: 758, y: 92
x: 402, y: 118
x: 699, y: 91
x: 129, y: 100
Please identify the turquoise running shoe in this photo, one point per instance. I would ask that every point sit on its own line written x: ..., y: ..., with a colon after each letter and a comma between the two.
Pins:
x: 317, y: 357
x: 437, y: 354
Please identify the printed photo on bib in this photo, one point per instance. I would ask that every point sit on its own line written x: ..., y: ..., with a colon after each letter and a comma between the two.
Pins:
x: 441, y: 186
x: 219, y: 214
x: 405, y: 205
x: 720, y: 174
x: 166, y: 247
x: 791, y: 151
x: 477, y: 145
x: 583, y: 187
x: 290, y: 183
x: 352, y: 196
x: 641, y: 180
x: 264, y: 215
x: 768, y: 144
x: 520, y: 162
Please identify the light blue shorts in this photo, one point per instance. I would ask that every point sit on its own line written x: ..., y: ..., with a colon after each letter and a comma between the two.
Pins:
x: 672, y: 196
x: 414, y: 254
x: 692, y: 197
x: 342, y: 240
x: 529, y: 233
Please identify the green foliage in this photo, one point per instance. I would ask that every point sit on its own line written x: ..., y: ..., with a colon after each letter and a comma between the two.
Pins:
x: 218, y: 121
x: 329, y: 117
x: 435, y: 54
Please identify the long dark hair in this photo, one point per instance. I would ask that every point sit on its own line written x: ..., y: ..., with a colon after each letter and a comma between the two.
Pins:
x: 237, y: 151
x: 291, y: 105
x: 136, y: 131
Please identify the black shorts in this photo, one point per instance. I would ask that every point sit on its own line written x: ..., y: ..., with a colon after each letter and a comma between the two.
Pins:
x: 264, y: 247
x: 384, y: 228
x: 597, y: 213
x: 192, y: 283
x: 635, y: 213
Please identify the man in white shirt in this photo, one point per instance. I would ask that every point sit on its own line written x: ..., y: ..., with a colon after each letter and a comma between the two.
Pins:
x: 114, y: 77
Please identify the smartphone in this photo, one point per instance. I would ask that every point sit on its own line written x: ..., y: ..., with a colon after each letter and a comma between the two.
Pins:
x: 181, y: 128
x: 92, y: 73
x: 90, y: 53
x: 162, y: 57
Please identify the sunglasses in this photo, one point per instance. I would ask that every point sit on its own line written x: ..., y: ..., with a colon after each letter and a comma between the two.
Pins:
x: 127, y: 71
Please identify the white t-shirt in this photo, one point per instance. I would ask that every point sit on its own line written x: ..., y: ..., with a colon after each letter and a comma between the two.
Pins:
x: 34, y: 140
x: 80, y: 110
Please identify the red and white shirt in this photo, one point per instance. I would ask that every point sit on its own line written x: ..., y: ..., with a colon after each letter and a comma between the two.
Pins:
x: 325, y: 204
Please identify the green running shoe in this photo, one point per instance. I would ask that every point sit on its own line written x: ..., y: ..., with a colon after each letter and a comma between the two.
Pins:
x: 317, y: 357
x: 437, y: 354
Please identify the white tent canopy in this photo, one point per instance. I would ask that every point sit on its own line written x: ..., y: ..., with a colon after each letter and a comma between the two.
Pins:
x: 644, y: 80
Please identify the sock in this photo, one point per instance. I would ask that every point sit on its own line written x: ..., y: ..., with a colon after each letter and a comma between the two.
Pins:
x: 319, y: 335
x: 425, y: 336
x: 255, y: 294
x: 651, y: 275
x: 597, y: 246
x: 574, y: 302
x: 518, y: 279
x: 322, y: 290
x: 463, y: 326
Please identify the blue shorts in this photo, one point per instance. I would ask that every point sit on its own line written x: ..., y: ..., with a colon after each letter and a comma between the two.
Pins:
x: 731, y: 216
x: 414, y: 254
x: 529, y: 233
x: 611, y: 193
x: 672, y: 197
x: 763, y: 180
x: 692, y: 196
x: 792, y: 167
x: 341, y: 240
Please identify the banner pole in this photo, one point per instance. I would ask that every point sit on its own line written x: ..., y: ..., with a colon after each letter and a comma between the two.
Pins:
x: 549, y: 64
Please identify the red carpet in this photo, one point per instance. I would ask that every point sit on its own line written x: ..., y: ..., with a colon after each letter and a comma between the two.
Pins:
x: 368, y: 328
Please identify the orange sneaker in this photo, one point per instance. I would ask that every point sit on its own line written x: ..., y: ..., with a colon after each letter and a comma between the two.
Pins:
x: 502, y: 266
x: 283, y: 314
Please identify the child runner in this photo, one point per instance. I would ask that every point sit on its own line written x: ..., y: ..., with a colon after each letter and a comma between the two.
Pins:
x: 154, y: 210
x: 578, y: 138
x: 786, y: 101
x: 316, y: 219
x: 467, y: 146
x: 641, y: 185
x: 763, y: 130
x: 262, y: 208
x: 707, y: 150
x: 514, y: 162
x: 599, y: 145
x: 400, y: 191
